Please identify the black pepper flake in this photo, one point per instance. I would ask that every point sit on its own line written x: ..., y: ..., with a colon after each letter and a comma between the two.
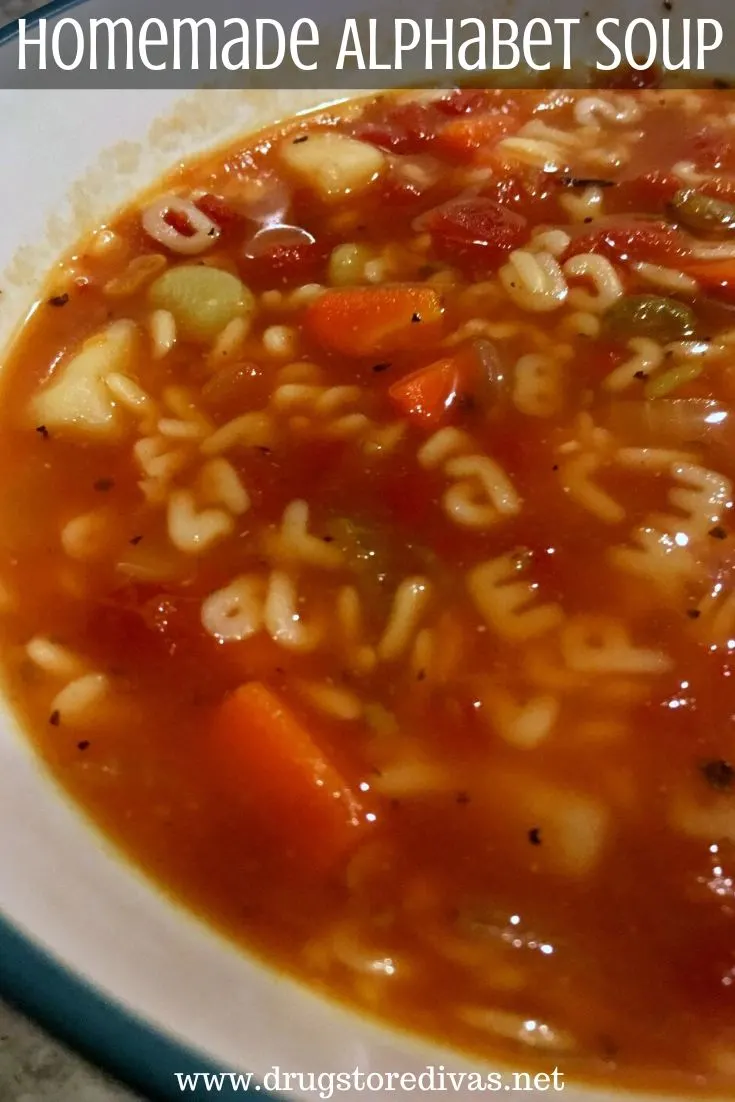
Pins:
x: 135, y: 540
x: 720, y: 84
x: 693, y: 613
x: 534, y: 836
x: 555, y: 467
x: 42, y: 431
x: 718, y: 532
x: 415, y: 318
x: 102, y: 485
x: 462, y: 798
x: 83, y: 745
x: 381, y: 367
x: 640, y: 375
x: 264, y: 449
x: 212, y: 232
x: 583, y: 181
x: 55, y: 718
x: 421, y: 675
x: 668, y: 5
x: 59, y: 300
x: 588, y: 219
x: 466, y: 402
x: 328, y: 539
x: 301, y: 138
x: 719, y: 774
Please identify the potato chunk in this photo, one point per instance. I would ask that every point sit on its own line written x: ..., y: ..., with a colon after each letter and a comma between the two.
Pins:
x: 77, y: 399
x: 331, y: 164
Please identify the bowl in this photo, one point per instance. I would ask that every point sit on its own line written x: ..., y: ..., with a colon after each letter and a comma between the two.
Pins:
x: 88, y: 945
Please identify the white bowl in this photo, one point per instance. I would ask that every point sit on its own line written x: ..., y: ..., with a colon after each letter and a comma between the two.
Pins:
x: 87, y: 944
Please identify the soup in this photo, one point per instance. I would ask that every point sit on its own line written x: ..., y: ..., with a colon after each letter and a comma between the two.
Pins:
x: 367, y: 557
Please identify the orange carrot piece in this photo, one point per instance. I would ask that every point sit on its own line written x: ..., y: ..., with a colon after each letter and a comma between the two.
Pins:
x: 426, y: 394
x: 375, y: 321
x: 304, y: 802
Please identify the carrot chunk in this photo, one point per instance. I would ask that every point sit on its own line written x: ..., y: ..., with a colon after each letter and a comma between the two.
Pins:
x: 375, y: 321
x: 304, y: 802
x: 426, y: 394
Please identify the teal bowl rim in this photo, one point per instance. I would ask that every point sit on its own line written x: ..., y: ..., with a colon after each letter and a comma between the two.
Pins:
x: 66, y: 1005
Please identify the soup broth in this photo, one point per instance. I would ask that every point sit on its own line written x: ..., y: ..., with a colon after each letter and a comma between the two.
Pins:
x: 367, y: 561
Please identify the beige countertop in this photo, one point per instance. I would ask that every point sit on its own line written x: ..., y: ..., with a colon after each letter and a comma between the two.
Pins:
x: 36, y: 1068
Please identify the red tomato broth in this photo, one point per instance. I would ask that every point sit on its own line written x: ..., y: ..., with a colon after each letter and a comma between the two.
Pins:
x: 464, y: 883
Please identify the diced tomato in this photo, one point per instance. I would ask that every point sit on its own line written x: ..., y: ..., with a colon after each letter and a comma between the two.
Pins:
x: 396, y: 190
x: 282, y: 256
x: 649, y: 193
x: 654, y: 242
x: 712, y: 151
x: 531, y: 193
x: 715, y: 277
x: 627, y: 77
x: 219, y: 210
x: 477, y: 232
x: 653, y: 191
x: 463, y: 102
x: 179, y: 222
x: 404, y: 128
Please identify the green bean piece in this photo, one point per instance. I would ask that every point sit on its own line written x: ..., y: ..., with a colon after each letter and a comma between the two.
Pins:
x: 664, y: 319
x: 702, y: 213
x: 672, y: 379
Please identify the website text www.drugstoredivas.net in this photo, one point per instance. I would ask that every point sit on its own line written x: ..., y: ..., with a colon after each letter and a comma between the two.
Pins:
x: 324, y: 1085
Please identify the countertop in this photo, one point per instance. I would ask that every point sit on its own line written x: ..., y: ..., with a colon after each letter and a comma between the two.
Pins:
x: 36, y: 1068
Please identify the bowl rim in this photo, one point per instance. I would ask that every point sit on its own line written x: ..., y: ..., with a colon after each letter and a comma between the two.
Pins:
x: 114, y: 1039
